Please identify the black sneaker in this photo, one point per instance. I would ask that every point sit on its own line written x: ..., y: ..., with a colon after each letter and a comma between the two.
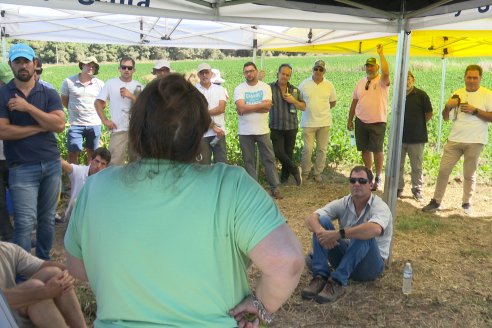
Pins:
x: 417, y: 195
x: 377, y: 184
x: 399, y: 193
x: 432, y: 206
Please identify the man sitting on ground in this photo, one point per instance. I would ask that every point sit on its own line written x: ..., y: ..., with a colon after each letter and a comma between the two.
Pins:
x: 356, y: 251
x: 47, y: 299
x: 78, y: 174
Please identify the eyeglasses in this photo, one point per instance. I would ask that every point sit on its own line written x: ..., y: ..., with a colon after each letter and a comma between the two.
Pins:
x: 39, y: 71
x: 361, y: 181
x: 367, y: 84
x: 124, y: 67
x: 318, y: 69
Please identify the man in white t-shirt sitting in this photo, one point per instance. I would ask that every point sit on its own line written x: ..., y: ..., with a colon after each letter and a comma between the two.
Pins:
x: 213, y: 140
x: 253, y: 100
x: 121, y: 93
x: 470, y: 109
x: 78, y: 174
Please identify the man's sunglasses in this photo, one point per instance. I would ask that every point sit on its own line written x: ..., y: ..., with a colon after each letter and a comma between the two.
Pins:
x: 318, y: 69
x: 124, y: 67
x: 39, y: 71
x: 361, y: 181
x: 367, y: 84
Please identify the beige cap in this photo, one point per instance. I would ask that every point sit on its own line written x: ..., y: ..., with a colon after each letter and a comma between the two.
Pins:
x: 203, y: 66
x: 162, y: 63
x: 88, y: 60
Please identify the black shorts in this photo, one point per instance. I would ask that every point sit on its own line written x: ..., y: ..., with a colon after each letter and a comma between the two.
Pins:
x: 369, y: 136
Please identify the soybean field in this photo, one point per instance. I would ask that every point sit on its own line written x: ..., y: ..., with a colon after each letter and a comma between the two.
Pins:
x: 344, y: 72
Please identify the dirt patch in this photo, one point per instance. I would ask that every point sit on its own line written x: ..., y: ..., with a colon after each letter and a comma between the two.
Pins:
x: 450, y: 254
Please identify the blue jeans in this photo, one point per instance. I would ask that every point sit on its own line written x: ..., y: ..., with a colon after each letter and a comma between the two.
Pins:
x: 34, y: 189
x: 356, y: 259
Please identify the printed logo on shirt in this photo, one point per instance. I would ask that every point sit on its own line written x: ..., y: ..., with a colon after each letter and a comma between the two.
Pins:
x: 251, y: 98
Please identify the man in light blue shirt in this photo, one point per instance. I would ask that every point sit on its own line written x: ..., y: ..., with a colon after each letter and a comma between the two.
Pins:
x: 358, y: 250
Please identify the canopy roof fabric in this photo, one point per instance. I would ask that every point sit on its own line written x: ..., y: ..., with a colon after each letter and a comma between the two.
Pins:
x: 429, y: 43
x: 225, y: 24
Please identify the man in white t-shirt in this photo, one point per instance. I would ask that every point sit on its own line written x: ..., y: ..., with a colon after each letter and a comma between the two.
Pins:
x: 253, y: 100
x: 213, y: 140
x: 78, y: 174
x: 121, y: 93
x: 470, y: 109
x: 320, y: 97
x: 47, y: 299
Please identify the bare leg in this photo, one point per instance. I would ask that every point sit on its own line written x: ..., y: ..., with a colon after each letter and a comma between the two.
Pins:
x: 367, y: 159
x: 378, y: 162
x: 67, y: 304
x: 73, y: 157
x: 43, y: 313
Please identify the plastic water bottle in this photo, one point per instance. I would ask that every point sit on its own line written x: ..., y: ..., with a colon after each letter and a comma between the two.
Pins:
x: 214, y: 141
x: 138, y: 90
x: 407, y: 279
x: 352, y: 138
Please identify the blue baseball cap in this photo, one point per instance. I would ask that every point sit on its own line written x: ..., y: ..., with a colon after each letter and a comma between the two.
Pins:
x: 21, y: 50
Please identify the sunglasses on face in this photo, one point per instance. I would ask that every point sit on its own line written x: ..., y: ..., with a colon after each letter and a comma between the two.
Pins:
x: 318, y: 69
x: 367, y: 84
x: 124, y: 67
x: 39, y: 71
x: 361, y: 181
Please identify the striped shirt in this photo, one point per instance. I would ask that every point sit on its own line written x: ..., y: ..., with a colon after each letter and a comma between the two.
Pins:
x: 283, y: 116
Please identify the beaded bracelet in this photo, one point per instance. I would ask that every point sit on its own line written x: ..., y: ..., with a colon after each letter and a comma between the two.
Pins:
x: 262, y: 312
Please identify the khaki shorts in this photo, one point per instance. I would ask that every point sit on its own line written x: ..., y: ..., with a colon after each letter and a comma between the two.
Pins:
x: 369, y: 136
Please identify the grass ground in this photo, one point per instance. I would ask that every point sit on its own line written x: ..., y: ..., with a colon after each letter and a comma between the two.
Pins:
x: 450, y: 255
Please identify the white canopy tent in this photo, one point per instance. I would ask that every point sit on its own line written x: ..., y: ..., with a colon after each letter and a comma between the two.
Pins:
x: 243, y: 24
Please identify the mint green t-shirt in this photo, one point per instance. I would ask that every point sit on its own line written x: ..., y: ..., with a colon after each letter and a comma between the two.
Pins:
x: 166, y: 244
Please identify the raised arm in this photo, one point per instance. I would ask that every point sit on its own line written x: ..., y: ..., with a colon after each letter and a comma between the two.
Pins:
x: 385, y: 72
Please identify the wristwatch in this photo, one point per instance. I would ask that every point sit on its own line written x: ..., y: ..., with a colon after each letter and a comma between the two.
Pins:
x: 475, y: 112
x: 342, y: 233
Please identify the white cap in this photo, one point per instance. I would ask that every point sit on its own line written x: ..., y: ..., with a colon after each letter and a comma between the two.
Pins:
x: 203, y: 66
x: 216, y: 78
x: 162, y: 63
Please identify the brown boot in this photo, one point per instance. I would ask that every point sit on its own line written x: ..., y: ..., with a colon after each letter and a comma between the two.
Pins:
x: 314, y: 287
x: 332, y: 291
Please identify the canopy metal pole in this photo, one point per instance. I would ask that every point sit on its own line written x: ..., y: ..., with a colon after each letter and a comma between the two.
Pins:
x: 396, y: 124
x: 441, y: 104
x: 4, y: 46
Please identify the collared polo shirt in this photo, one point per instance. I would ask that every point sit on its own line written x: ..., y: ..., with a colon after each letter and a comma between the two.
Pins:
x: 283, y: 116
x: 214, y: 95
x: 375, y: 211
x: 41, y: 146
x: 317, y: 97
x: 372, y: 104
x: 81, y: 110
x: 417, y: 105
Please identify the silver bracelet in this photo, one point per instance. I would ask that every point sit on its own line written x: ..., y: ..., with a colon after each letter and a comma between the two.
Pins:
x: 262, y: 312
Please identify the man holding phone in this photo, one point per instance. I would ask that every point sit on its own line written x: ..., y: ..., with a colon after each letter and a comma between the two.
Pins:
x: 472, y: 109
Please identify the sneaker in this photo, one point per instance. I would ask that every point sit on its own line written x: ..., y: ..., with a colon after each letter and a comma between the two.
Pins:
x: 276, y: 194
x: 377, y: 184
x: 432, y: 206
x: 399, y: 193
x: 315, y: 286
x: 332, y: 291
x: 318, y: 178
x: 467, y: 208
x: 417, y: 195
x: 298, y: 176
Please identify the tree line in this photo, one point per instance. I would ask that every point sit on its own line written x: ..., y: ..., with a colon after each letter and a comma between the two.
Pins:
x: 64, y: 52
